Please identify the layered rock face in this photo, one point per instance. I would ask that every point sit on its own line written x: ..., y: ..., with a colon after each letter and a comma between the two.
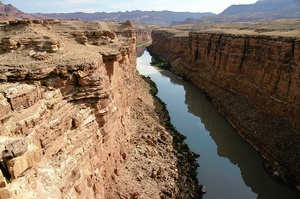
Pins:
x: 143, y: 38
x: 254, y: 81
x: 77, y: 122
x: 143, y: 34
x: 66, y: 91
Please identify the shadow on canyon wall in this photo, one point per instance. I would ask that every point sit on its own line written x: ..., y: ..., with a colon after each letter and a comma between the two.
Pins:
x: 140, y: 50
x: 230, y: 145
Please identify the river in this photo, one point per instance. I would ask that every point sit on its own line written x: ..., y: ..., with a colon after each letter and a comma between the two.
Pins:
x: 229, y: 167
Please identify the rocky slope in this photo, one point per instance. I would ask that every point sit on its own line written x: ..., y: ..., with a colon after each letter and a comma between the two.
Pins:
x: 72, y: 123
x: 253, y: 78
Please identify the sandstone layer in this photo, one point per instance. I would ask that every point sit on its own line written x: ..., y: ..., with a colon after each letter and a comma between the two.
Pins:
x: 143, y: 34
x: 63, y: 94
x: 252, y: 74
x: 71, y: 117
x: 143, y: 38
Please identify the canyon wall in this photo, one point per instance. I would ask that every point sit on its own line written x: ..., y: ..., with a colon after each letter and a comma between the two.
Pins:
x: 66, y: 91
x: 143, y: 34
x: 143, y: 38
x: 253, y: 80
x: 76, y: 121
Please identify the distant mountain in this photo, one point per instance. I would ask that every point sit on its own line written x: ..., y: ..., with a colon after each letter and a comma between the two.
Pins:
x: 161, y: 18
x: 265, y: 10
x: 9, y: 12
x: 288, y: 7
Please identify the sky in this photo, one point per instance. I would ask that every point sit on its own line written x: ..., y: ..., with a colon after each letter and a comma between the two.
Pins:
x: 67, y: 6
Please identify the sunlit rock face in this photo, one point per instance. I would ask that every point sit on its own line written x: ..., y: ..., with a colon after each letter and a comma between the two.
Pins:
x: 65, y: 95
x: 252, y: 75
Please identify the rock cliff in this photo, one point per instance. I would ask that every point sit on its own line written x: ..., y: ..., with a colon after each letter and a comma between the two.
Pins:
x: 75, y: 119
x: 143, y: 34
x: 252, y: 77
x: 66, y: 104
x: 143, y: 38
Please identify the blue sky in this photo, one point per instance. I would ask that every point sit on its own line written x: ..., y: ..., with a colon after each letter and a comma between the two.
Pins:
x: 53, y: 6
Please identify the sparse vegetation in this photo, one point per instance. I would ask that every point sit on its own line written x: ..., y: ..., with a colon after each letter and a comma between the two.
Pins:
x: 161, y: 64
x: 144, y: 43
x: 178, y: 139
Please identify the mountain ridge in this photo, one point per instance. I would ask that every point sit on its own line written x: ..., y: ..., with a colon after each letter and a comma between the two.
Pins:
x: 9, y: 12
x: 162, y: 18
x: 267, y: 10
x: 137, y: 16
x: 267, y: 6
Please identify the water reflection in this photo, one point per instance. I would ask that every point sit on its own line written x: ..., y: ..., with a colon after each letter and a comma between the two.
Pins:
x: 231, y: 146
x: 229, y: 167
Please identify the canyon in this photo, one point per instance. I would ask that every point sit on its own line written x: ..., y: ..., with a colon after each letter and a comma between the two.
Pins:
x: 77, y: 121
x: 250, y: 71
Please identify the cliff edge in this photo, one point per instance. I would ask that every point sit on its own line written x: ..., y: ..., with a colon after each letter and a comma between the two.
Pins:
x: 65, y: 109
x: 251, y: 73
x: 75, y: 119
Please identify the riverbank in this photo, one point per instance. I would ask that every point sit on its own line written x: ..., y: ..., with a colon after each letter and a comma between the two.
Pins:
x: 225, y: 155
x: 160, y: 164
x: 207, y: 65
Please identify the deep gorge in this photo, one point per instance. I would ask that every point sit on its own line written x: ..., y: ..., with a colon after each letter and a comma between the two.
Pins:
x: 254, y: 82
x: 228, y: 166
x: 77, y: 121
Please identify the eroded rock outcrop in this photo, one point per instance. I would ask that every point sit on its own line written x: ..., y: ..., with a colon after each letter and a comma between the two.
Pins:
x: 252, y: 78
x: 143, y: 38
x: 65, y: 107
x: 77, y: 122
x: 143, y: 34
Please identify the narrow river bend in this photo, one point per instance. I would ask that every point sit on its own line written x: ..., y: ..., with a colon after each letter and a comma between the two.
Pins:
x: 229, y: 167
